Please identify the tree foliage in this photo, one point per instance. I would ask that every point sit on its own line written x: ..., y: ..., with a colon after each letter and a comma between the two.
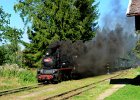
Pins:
x: 10, y: 49
x: 4, y: 21
x: 137, y: 48
x: 2, y: 55
x: 9, y: 40
x: 53, y: 20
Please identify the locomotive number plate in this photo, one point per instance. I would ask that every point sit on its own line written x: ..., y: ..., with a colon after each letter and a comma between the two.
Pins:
x: 48, y: 60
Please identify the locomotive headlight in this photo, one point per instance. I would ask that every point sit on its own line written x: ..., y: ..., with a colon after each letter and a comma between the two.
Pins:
x: 63, y: 64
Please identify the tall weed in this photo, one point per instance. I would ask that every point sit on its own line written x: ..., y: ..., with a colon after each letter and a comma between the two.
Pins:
x: 14, y: 71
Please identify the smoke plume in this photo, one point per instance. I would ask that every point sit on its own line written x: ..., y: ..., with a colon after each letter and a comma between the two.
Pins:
x: 112, y: 41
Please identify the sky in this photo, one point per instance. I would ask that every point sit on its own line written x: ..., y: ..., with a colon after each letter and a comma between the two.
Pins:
x: 7, y: 5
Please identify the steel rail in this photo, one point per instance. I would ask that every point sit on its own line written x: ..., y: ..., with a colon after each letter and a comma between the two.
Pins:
x: 73, y: 92
x: 10, y: 91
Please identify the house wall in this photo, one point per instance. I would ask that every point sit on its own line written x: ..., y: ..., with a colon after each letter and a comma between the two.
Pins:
x: 137, y: 23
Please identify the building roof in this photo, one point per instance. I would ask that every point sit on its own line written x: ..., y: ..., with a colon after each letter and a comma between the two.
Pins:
x: 133, y: 8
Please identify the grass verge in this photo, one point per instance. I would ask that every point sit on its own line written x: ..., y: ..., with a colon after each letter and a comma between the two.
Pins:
x: 12, y: 76
x: 128, y: 92
x: 93, y: 93
x: 100, y: 88
x: 48, y: 90
x: 51, y: 89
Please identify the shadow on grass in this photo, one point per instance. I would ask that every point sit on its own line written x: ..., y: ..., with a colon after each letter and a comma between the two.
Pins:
x: 134, y: 81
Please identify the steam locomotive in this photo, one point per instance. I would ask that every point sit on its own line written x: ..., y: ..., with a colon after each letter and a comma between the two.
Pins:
x: 53, y: 69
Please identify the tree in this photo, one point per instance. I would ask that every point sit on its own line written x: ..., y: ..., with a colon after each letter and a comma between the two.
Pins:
x: 53, y: 20
x: 9, y: 40
x: 4, y: 22
x: 2, y: 55
x: 137, y: 48
x: 10, y: 49
x: 13, y: 37
x: 87, y: 19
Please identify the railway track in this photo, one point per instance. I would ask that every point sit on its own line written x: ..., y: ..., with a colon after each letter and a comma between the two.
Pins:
x: 5, y: 92
x: 61, y: 96
x: 74, y: 92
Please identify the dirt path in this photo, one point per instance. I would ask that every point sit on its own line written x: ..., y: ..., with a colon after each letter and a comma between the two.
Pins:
x: 35, y: 93
x: 110, y: 91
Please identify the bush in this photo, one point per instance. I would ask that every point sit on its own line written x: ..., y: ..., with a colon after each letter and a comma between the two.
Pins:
x: 14, y: 71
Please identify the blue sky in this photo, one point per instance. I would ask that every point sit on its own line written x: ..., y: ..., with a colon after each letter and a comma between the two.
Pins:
x: 7, y: 5
x: 104, y: 8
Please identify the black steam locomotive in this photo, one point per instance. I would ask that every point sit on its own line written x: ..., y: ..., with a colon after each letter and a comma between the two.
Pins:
x: 53, y: 69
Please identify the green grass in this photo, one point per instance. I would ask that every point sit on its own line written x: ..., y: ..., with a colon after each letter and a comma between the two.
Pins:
x: 8, y: 83
x: 12, y: 76
x: 129, y: 92
x: 71, y: 84
x: 93, y: 93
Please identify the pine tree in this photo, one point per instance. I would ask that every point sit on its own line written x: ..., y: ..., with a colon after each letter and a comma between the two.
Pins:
x: 53, y: 20
x: 87, y: 20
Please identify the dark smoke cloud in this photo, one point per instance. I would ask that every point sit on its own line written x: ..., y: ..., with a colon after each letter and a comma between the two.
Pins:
x: 91, y: 58
x: 114, y: 40
x: 106, y: 48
